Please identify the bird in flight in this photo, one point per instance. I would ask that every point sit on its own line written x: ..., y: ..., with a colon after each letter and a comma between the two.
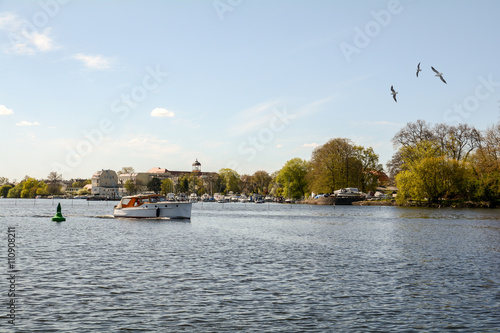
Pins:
x: 418, y: 69
x: 438, y: 74
x: 394, y: 93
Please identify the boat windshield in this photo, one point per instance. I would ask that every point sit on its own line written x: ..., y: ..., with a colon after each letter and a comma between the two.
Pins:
x: 125, y: 201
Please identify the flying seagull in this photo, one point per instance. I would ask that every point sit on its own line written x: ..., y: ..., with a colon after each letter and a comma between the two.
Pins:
x: 394, y: 93
x: 438, y: 74
x: 418, y: 69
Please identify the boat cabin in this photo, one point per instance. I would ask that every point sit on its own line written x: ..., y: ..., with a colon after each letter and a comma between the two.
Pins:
x: 139, y: 200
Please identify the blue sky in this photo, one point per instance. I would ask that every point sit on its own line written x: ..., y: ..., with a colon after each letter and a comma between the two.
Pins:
x: 249, y: 85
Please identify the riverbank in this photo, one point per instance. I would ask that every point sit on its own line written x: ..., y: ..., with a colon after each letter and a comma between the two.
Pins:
x: 445, y: 203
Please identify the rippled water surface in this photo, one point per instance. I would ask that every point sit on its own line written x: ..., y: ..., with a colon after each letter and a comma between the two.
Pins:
x: 253, y: 267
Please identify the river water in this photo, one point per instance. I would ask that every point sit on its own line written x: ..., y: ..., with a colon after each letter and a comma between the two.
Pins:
x: 250, y: 267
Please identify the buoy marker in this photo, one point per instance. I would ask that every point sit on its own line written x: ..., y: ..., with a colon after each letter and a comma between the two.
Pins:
x: 58, y: 217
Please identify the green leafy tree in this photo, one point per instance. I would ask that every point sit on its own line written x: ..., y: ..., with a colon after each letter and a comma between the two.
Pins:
x: 230, y: 179
x: 486, y: 165
x: 15, y: 192
x: 167, y: 186
x: 333, y: 166
x: 196, y: 184
x: 292, y: 177
x: 129, y: 186
x: 81, y: 183
x: 274, y: 186
x: 369, y: 168
x: 212, y: 183
x: 182, y: 185
x: 31, y: 186
x: 83, y: 191
x: 154, y: 185
x: 77, y: 185
x: 261, y: 179
x: 4, y: 190
x: 247, y: 185
x: 429, y: 174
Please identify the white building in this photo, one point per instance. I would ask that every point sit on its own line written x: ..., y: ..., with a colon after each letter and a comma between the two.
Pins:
x: 105, y: 184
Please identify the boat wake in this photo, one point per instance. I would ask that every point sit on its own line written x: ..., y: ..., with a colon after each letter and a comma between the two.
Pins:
x: 103, y: 216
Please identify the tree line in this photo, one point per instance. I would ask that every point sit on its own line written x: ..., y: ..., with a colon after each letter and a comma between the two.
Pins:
x: 431, y: 163
x: 30, y: 187
x: 337, y: 164
x: 441, y: 163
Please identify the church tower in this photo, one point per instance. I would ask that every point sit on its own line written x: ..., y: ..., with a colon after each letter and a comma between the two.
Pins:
x: 196, y: 166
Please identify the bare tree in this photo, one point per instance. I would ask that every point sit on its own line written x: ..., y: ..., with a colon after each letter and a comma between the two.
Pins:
x: 456, y: 142
x: 412, y: 134
x: 126, y: 170
x: 54, y: 183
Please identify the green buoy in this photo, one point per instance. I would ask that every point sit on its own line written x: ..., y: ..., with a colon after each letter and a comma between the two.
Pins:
x: 58, y: 217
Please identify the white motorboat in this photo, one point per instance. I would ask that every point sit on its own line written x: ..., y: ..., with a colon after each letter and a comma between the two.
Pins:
x: 152, y: 206
x: 348, y: 195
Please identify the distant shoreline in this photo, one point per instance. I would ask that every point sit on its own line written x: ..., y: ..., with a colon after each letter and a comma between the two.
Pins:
x: 450, y: 203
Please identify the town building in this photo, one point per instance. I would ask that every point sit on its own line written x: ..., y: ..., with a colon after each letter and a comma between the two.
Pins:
x: 110, y: 184
x: 105, y: 184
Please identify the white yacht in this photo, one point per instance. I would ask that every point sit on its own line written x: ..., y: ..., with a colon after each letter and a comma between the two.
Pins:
x: 152, y: 206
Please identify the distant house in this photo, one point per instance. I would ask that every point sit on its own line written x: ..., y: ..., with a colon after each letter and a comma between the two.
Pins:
x: 105, y: 184
x: 139, y: 179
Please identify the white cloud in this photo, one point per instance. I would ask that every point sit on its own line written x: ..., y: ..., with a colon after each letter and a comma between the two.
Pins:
x: 42, y: 41
x: 92, y: 62
x: 279, y: 146
x: 313, y: 145
x: 27, y: 123
x: 161, y: 112
x: 4, y: 111
x: 23, y: 38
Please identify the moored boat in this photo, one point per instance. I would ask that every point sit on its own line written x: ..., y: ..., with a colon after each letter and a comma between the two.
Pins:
x: 347, y: 196
x: 152, y: 206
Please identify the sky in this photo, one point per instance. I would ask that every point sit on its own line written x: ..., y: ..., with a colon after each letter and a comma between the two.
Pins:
x: 240, y: 84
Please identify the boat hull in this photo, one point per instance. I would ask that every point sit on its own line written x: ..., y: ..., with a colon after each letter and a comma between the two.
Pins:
x: 173, y: 210
x: 347, y: 200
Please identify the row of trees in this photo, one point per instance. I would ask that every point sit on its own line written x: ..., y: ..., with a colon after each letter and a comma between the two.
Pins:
x: 430, y: 163
x: 440, y: 162
x: 30, y: 187
x: 27, y: 188
x: 337, y: 164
